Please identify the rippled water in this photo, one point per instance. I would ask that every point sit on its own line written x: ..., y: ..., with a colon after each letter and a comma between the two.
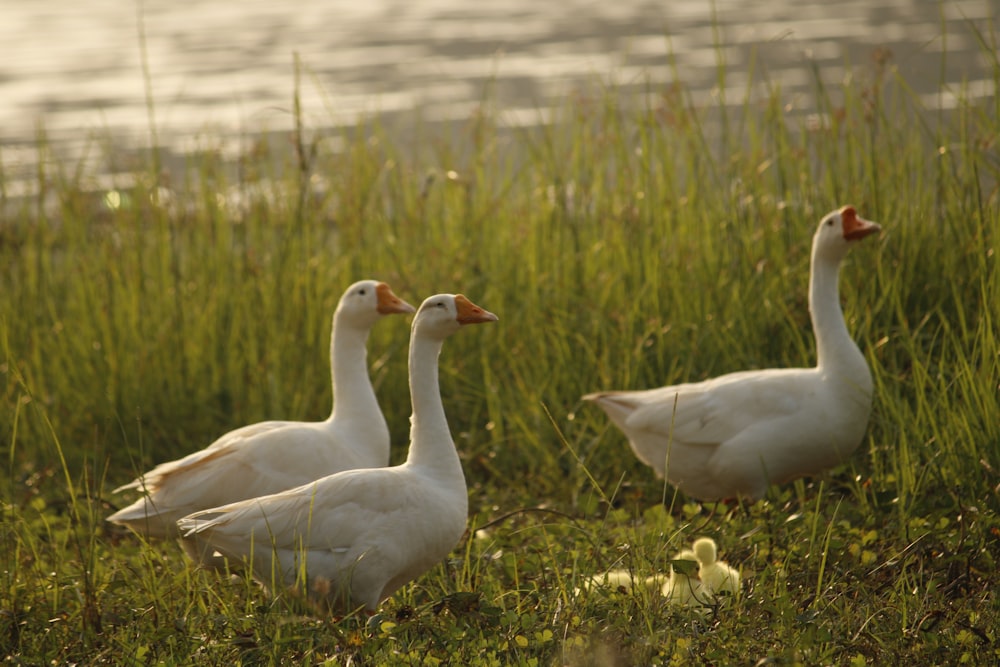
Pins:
x: 225, y: 67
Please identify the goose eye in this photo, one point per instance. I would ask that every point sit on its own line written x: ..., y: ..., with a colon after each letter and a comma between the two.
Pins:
x: 829, y: 222
x: 361, y: 291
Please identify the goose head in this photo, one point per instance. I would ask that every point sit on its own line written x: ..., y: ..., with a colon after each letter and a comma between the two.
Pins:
x: 838, y: 230
x: 367, y: 300
x: 442, y: 315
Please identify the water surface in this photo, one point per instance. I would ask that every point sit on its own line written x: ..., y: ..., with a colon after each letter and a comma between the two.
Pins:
x: 224, y: 68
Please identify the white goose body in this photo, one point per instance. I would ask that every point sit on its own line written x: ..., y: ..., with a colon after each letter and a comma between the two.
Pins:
x: 354, y: 538
x: 275, y: 455
x: 734, y: 435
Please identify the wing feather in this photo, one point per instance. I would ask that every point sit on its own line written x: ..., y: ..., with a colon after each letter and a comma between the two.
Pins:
x: 716, y: 411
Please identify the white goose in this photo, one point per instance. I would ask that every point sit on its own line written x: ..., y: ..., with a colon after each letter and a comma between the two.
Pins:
x: 275, y: 455
x: 736, y: 434
x: 352, y: 539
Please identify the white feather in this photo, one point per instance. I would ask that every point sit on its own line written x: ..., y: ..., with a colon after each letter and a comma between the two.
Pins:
x: 736, y: 434
x: 353, y: 538
x: 272, y: 456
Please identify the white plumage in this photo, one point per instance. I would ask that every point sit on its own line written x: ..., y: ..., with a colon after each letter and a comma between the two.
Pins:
x: 353, y: 538
x: 272, y: 456
x: 736, y: 434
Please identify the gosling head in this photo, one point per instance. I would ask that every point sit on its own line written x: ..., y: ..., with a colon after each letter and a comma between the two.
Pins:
x: 705, y: 550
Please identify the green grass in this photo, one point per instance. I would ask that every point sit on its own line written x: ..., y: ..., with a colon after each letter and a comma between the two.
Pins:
x: 629, y: 244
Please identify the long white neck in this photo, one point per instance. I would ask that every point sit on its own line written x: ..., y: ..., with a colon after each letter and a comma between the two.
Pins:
x: 836, y: 351
x: 353, y: 396
x: 431, y: 445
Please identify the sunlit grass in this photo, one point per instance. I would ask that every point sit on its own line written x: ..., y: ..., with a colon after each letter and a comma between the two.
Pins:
x: 631, y: 243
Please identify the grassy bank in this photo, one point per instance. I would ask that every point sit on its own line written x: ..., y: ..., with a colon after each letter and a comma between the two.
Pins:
x: 631, y: 243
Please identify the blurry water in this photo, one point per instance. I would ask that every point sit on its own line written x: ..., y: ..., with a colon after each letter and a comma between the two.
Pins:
x: 225, y: 67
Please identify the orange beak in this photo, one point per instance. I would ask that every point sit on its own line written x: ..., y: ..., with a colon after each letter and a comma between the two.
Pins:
x: 856, y: 228
x: 389, y: 303
x: 470, y: 313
